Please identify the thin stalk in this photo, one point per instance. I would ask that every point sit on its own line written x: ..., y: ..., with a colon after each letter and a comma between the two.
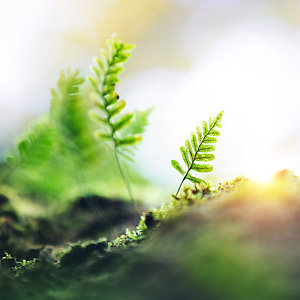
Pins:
x: 124, y: 177
x: 180, y: 185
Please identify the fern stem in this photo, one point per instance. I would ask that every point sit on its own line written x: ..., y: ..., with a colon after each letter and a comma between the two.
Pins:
x: 181, y: 184
x: 124, y: 177
x: 193, y: 160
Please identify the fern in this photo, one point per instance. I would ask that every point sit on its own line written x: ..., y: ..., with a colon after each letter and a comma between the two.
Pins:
x: 32, y: 162
x: 115, y: 126
x: 66, y: 111
x: 198, y: 149
x: 35, y: 147
x: 63, y: 142
x: 60, y: 144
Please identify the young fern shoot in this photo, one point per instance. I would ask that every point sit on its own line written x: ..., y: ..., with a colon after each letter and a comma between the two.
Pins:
x: 113, y: 123
x: 198, y: 149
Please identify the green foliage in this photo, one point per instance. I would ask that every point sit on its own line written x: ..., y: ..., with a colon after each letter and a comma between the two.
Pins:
x: 109, y: 106
x: 198, y: 149
x: 121, y: 129
x: 65, y: 110
x: 63, y: 142
x: 68, y: 114
x: 60, y: 144
x: 35, y: 147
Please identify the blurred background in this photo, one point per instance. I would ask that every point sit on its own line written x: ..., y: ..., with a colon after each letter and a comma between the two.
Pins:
x: 193, y: 59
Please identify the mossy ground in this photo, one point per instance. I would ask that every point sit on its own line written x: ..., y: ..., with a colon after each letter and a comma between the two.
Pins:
x: 236, y: 241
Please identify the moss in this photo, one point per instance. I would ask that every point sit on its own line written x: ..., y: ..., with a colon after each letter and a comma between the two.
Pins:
x: 228, y: 242
x: 8, y: 262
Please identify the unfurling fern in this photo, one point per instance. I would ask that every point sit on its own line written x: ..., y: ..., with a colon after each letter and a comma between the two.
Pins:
x: 198, y: 149
x: 113, y: 123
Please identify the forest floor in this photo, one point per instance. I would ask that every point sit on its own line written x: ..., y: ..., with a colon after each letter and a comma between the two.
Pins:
x: 236, y: 241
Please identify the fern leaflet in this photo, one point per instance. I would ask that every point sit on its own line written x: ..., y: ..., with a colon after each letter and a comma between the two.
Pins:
x: 198, y: 149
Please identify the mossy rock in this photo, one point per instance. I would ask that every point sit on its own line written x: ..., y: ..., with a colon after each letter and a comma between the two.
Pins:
x: 89, y: 217
x: 237, y: 242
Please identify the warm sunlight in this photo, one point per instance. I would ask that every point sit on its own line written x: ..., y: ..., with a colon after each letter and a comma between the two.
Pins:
x: 263, y: 174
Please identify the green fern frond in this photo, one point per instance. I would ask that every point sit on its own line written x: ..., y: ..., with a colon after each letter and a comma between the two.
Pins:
x: 60, y: 144
x: 68, y: 116
x: 64, y: 122
x: 35, y: 147
x: 65, y: 107
x: 123, y: 130
x: 198, y: 149
x: 109, y: 107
